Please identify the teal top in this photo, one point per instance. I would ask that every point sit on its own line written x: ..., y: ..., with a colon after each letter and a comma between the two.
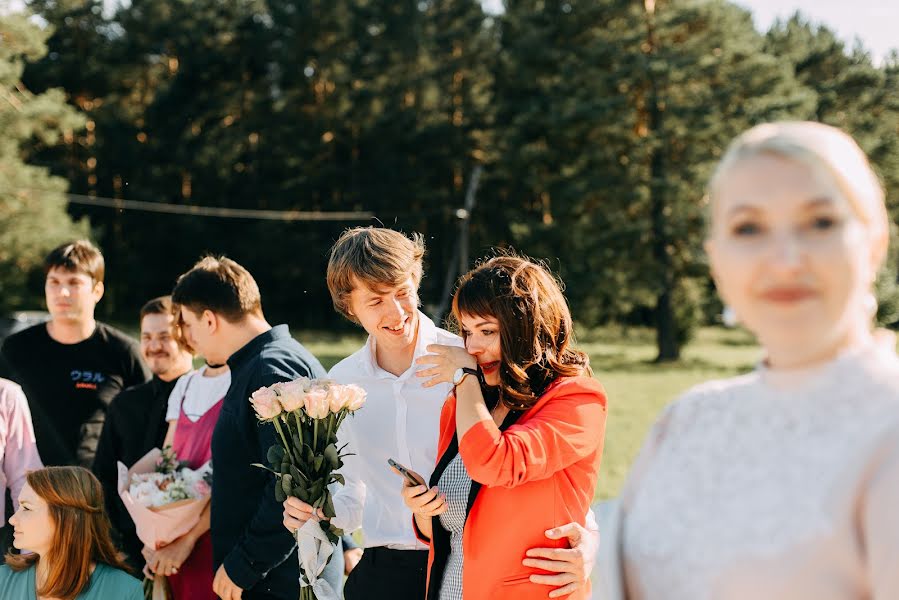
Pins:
x: 105, y: 583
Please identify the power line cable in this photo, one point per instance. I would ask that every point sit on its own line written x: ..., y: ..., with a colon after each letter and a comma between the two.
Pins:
x: 222, y: 212
x: 213, y: 211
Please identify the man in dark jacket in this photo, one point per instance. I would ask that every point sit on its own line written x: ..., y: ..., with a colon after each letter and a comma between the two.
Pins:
x: 222, y: 319
x: 135, y: 421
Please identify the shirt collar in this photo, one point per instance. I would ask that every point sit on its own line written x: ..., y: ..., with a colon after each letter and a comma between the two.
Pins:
x: 161, y: 387
x: 427, y: 335
x: 252, y: 348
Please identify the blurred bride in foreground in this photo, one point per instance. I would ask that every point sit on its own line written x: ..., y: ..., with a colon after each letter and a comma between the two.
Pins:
x: 782, y: 483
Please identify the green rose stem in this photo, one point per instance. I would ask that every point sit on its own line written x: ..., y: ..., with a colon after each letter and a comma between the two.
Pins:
x: 281, y: 433
x: 296, y: 417
x: 330, y: 424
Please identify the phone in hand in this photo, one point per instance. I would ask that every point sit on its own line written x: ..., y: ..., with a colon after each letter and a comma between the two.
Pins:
x: 413, y: 479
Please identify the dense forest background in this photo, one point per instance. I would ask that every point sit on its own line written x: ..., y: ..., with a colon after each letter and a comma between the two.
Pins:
x: 594, y: 125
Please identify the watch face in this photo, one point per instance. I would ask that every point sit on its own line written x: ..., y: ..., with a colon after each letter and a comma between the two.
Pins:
x: 458, y: 376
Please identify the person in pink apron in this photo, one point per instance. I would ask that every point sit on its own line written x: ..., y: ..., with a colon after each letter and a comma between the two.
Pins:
x: 194, y: 407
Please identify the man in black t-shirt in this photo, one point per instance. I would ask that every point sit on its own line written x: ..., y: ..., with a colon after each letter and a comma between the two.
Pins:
x: 72, y: 367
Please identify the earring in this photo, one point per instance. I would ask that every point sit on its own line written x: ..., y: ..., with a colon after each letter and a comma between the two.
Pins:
x: 729, y: 317
x: 870, y: 304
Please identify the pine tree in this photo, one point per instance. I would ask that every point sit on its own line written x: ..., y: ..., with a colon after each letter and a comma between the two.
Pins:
x: 859, y: 97
x: 628, y: 105
x: 33, y: 216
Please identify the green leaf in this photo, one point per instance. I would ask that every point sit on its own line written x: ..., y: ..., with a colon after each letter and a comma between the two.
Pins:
x: 297, y: 474
x: 332, y: 456
x: 332, y: 532
x: 297, y: 448
x: 275, y: 455
x: 287, y: 483
x: 339, y: 478
x: 261, y: 466
x: 316, y: 490
x: 301, y: 493
x: 328, y: 507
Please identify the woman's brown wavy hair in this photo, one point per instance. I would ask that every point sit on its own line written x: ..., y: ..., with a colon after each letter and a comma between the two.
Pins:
x: 535, y: 325
x: 75, y: 501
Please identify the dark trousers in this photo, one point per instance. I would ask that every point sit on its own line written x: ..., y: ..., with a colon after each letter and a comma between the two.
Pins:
x: 333, y: 574
x: 385, y: 574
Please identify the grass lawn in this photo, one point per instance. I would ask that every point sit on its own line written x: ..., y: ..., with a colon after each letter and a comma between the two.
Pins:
x: 637, y: 388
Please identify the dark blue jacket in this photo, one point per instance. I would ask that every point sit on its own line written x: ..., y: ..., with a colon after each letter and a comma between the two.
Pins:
x: 247, y: 532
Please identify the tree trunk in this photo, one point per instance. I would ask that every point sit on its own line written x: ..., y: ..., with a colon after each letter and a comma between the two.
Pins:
x: 665, y: 319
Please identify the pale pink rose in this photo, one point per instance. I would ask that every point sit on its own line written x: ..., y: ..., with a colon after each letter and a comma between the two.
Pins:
x: 355, y: 397
x: 265, y: 403
x: 337, y: 398
x: 291, y: 395
x: 316, y: 403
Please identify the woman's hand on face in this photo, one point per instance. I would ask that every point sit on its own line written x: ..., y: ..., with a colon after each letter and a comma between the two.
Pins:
x: 444, y: 361
x: 297, y: 512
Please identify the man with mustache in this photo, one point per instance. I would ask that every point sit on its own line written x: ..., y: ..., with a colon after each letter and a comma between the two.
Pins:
x: 135, y: 421
x: 72, y: 366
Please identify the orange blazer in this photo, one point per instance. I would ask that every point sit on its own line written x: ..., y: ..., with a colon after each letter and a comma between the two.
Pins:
x: 537, y: 474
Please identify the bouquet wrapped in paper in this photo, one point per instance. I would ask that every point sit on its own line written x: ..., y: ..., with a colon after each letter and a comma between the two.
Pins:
x: 165, y: 500
x: 306, y: 414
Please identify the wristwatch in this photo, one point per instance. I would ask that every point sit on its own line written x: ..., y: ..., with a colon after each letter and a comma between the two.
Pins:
x: 462, y: 373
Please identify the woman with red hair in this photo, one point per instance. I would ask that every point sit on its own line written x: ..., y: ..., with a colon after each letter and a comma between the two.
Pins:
x: 61, y: 521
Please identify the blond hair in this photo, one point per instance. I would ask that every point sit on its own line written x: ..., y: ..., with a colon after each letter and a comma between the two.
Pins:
x: 374, y: 256
x: 822, y: 148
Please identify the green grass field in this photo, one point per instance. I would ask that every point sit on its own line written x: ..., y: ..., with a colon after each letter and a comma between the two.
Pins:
x: 637, y: 388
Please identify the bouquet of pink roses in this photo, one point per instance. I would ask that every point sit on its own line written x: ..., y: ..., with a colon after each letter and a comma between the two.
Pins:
x: 307, y: 413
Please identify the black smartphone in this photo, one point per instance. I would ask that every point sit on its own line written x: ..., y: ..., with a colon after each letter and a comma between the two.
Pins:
x: 412, y: 479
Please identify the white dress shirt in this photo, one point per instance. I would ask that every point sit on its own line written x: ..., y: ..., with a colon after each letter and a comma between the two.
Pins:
x: 400, y: 420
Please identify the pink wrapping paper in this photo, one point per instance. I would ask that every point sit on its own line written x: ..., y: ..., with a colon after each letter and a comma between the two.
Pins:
x: 159, y: 525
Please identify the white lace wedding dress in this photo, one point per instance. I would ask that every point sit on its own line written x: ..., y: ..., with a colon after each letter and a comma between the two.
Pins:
x: 770, y: 486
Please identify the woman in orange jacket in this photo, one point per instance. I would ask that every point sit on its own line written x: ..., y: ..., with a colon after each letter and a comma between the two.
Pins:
x: 520, y: 439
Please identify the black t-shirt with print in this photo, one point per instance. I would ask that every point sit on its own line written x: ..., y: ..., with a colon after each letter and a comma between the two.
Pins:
x: 69, y: 386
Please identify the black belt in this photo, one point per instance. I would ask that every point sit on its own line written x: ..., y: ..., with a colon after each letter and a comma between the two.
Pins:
x: 385, y: 555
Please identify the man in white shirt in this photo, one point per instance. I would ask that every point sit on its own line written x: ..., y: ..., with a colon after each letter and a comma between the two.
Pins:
x: 373, y: 277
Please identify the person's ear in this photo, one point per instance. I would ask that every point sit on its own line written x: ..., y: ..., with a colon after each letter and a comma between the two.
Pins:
x: 878, y: 252
x: 211, y: 321
x: 98, y: 290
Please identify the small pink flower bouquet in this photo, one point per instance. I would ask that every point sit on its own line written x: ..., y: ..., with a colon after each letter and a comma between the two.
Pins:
x: 165, y: 500
x: 307, y: 413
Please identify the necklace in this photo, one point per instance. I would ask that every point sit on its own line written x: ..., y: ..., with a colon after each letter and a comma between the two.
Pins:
x: 498, y: 410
